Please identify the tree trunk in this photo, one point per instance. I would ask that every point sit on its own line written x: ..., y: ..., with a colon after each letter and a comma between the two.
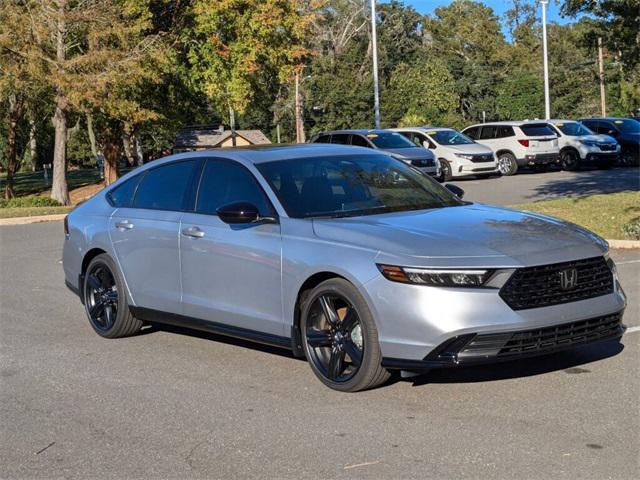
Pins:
x: 139, y: 153
x: 33, y: 144
x: 126, y: 145
x: 92, y: 136
x: 59, y: 189
x: 12, y: 163
x: 111, y: 157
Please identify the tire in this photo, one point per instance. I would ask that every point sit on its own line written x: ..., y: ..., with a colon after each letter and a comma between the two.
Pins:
x: 569, y: 160
x: 507, y: 164
x: 351, y: 333
x: 629, y: 158
x: 105, y: 300
x: 445, y: 171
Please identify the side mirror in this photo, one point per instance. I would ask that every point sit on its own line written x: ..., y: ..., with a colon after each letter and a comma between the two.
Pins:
x: 457, y: 191
x: 241, y: 213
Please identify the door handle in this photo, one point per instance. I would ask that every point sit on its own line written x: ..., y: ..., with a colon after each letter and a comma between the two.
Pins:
x: 125, y: 225
x: 194, y: 232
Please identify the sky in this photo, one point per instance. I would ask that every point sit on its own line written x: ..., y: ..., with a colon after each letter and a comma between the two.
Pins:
x: 498, y: 6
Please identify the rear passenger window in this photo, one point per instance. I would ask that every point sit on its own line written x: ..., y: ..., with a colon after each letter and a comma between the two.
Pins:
x: 504, y: 131
x: 122, y: 195
x: 488, y: 133
x: 536, y: 130
x: 229, y: 182
x: 323, y: 139
x: 165, y: 187
x: 358, y: 141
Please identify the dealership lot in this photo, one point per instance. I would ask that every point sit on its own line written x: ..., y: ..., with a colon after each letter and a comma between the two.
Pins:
x: 180, y: 404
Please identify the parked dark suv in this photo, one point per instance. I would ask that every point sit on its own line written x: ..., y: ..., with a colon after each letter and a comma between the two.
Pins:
x: 388, y: 142
x: 625, y: 130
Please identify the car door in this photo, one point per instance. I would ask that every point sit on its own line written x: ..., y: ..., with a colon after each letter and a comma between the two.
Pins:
x: 231, y: 273
x: 145, y: 235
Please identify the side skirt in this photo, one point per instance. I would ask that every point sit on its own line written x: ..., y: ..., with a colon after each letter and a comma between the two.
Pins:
x: 157, y: 316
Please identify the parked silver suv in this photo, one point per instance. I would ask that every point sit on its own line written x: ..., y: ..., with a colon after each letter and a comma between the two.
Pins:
x: 343, y: 255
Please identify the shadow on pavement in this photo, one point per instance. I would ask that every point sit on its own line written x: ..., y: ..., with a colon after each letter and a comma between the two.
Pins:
x: 571, y: 361
x: 590, y: 182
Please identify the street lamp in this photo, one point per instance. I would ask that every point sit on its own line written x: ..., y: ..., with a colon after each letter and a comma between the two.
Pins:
x: 376, y: 95
x: 547, y: 105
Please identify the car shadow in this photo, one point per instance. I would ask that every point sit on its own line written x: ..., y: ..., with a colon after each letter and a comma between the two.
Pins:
x: 571, y: 361
x: 589, y: 182
x: 238, y: 342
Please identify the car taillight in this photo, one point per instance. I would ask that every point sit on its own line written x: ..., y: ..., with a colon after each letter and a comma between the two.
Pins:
x: 524, y: 143
x: 66, y: 225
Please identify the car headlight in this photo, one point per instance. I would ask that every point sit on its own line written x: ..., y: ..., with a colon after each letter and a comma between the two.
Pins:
x: 588, y: 143
x: 436, y: 277
x: 466, y: 156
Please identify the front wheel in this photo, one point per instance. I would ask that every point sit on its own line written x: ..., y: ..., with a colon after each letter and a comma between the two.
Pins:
x: 569, y: 160
x: 105, y: 300
x: 445, y: 171
x: 340, y: 338
x: 507, y: 164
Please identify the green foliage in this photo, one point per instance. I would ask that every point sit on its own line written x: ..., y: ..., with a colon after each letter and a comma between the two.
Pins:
x: 520, y: 96
x: 29, y: 201
x: 632, y: 229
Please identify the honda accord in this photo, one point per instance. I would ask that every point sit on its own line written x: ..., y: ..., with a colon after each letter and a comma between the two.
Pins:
x: 344, y: 255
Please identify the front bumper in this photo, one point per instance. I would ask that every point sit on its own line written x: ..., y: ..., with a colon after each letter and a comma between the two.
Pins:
x: 414, y: 321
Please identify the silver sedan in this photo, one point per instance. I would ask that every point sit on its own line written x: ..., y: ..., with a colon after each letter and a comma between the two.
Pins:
x: 344, y: 255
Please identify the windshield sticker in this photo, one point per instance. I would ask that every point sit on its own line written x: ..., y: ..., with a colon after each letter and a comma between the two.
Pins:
x: 372, y: 135
x: 433, y: 132
x: 618, y: 122
x: 559, y: 124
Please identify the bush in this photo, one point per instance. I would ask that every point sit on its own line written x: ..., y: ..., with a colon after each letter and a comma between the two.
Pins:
x: 29, y: 201
x: 632, y: 229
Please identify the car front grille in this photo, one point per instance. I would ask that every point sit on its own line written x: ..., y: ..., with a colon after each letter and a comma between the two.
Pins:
x: 541, y: 340
x: 422, y: 163
x: 542, y: 286
x: 607, y: 147
x: 488, y: 157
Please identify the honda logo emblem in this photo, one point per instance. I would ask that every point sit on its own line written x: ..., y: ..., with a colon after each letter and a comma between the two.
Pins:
x: 568, y: 278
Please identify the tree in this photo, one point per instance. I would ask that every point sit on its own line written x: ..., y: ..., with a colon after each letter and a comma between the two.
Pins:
x: 520, y: 96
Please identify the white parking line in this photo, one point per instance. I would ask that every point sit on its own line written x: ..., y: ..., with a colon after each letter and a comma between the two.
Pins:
x: 633, y: 329
x: 628, y: 262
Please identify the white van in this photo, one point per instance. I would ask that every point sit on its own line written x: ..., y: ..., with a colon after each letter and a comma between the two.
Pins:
x: 518, y: 144
x: 458, y: 154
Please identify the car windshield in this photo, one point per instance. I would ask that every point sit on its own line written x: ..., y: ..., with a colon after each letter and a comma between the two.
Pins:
x: 353, y: 185
x: 385, y: 140
x: 450, y: 137
x: 627, y: 125
x: 573, y: 129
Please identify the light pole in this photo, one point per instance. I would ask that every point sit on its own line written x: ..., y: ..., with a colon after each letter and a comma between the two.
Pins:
x: 547, y: 105
x: 374, y: 41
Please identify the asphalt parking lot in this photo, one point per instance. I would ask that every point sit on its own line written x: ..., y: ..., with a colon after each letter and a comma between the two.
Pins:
x: 528, y: 186
x: 174, y: 404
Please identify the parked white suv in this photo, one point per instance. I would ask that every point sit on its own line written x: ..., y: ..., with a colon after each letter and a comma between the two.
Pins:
x: 580, y: 146
x: 458, y: 154
x: 518, y: 144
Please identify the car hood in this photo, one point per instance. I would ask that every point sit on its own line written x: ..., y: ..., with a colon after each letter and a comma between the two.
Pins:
x: 470, y: 148
x: 417, y: 153
x: 466, y: 235
x: 598, y: 138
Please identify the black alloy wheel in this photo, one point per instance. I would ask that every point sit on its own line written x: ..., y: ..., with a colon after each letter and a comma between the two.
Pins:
x: 101, y: 296
x: 569, y: 160
x: 340, y: 337
x: 445, y: 171
x: 334, y: 336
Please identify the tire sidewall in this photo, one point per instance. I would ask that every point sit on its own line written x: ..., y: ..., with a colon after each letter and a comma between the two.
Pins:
x: 570, y: 160
x: 445, y: 169
x: 123, y: 305
x: 371, y: 356
x: 511, y: 161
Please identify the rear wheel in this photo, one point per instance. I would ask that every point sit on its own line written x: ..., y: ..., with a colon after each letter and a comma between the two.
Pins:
x: 340, y: 338
x: 105, y: 300
x: 507, y: 164
x: 569, y: 160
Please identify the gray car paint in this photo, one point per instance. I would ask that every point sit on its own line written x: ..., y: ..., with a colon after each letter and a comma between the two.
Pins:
x: 250, y: 291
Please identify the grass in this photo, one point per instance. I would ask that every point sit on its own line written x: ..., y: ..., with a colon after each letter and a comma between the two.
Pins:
x: 32, y: 183
x: 32, y: 211
x: 603, y: 214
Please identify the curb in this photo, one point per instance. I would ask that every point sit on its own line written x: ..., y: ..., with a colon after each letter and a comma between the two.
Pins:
x: 613, y: 244
x: 35, y: 219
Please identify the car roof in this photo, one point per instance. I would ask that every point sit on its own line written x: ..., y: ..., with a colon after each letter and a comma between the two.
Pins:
x: 268, y: 153
x: 510, y: 123
x: 359, y: 131
x: 561, y: 120
x: 422, y: 129
x: 605, y: 118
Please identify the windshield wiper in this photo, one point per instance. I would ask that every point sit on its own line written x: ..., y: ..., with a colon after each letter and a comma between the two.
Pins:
x: 344, y: 213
